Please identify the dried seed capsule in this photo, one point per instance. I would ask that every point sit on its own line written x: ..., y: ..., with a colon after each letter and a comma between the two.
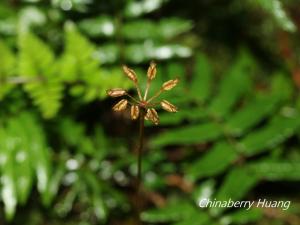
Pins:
x: 170, y: 84
x: 134, y: 112
x: 151, y: 71
x: 116, y: 92
x: 168, y: 106
x: 121, y: 105
x: 152, y: 116
x: 130, y: 73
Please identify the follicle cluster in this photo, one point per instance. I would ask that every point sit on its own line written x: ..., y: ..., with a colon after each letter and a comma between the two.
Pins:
x: 143, y: 105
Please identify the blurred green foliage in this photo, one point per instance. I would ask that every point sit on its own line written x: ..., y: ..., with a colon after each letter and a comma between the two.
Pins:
x: 248, y: 130
x: 66, y: 158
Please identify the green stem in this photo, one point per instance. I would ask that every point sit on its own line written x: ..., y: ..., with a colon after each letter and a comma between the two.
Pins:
x: 147, y: 89
x: 138, y: 91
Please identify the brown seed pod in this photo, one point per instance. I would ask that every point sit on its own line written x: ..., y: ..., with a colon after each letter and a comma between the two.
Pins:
x: 134, y: 112
x: 121, y: 105
x: 168, y: 106
x: 151, y: 73
x: 130, y: 73
x: 116, y: 92
x: 152, y: 116
x: 170, y: 84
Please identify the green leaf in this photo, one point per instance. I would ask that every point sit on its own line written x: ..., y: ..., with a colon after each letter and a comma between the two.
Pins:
x: 39, y: 67
x: 276, y: 171
x: 140, y: 29
x: 100, y: 26
x: 197, y: 218
x: 235, y: 84
x: 94, y: 185
x: 271, y: 135
x: 99, y: 208
x: 7, y: 60
x: 172, y: 212
x: 173, y: 70
x: 276, y: 9
x: 282, y: 86
x: 8, y: 21
x: 136, y: 9
x: 184, y: 114
x: 30, y: 17
x: 8, y: 179
x: 251, y: 114
x: 80, y: 63
x: 77, y: 62
x: 66, y: 203
x: 214, y: 161
x: 201, y: 85
x: 138, y: 53
x: 39, y: 152
x: 193, y: 134
x: 25, y: 151
x: 108, y: 53
x: 53, y: 185
x: 9, y: 193
x: 23, y: 148
x: 7, y: 69
x: 235, y: 186
x: 172, y: 27
x: 22, y: 155
x: 204, y: 190
x: 243, y: 216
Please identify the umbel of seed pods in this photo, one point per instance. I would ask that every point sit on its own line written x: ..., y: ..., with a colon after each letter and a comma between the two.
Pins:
x: 143, y: 102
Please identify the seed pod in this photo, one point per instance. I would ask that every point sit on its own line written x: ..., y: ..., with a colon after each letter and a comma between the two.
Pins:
x: 152, y: 116
x: 130, y: 73
x: 151, y: 71
x: 168, y: 106
x: 121, y: 105
x: 116, y: 92
x: 134, y: 112
x: 170, y: 84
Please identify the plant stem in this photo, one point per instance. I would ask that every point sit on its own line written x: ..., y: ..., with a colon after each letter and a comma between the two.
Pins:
x: 132, y: 98
x: 140, y: 148
x: 147, y: 89
x: 139, y: 166
x: 138, y: 91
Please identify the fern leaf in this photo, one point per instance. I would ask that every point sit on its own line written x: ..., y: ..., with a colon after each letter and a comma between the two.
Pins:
x: 275, y: 132
x: 79, y: 64
x: 37, y: 62
x: 234, y: 85
x: 215, y: 161
x: 7, y: 68
x: 193, y: 134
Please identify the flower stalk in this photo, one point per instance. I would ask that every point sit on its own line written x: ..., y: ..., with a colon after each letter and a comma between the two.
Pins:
x: 142, y: 108
x: 140, y: 149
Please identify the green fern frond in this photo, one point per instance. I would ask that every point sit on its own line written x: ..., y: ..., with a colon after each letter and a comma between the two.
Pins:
x: 37, y: 62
